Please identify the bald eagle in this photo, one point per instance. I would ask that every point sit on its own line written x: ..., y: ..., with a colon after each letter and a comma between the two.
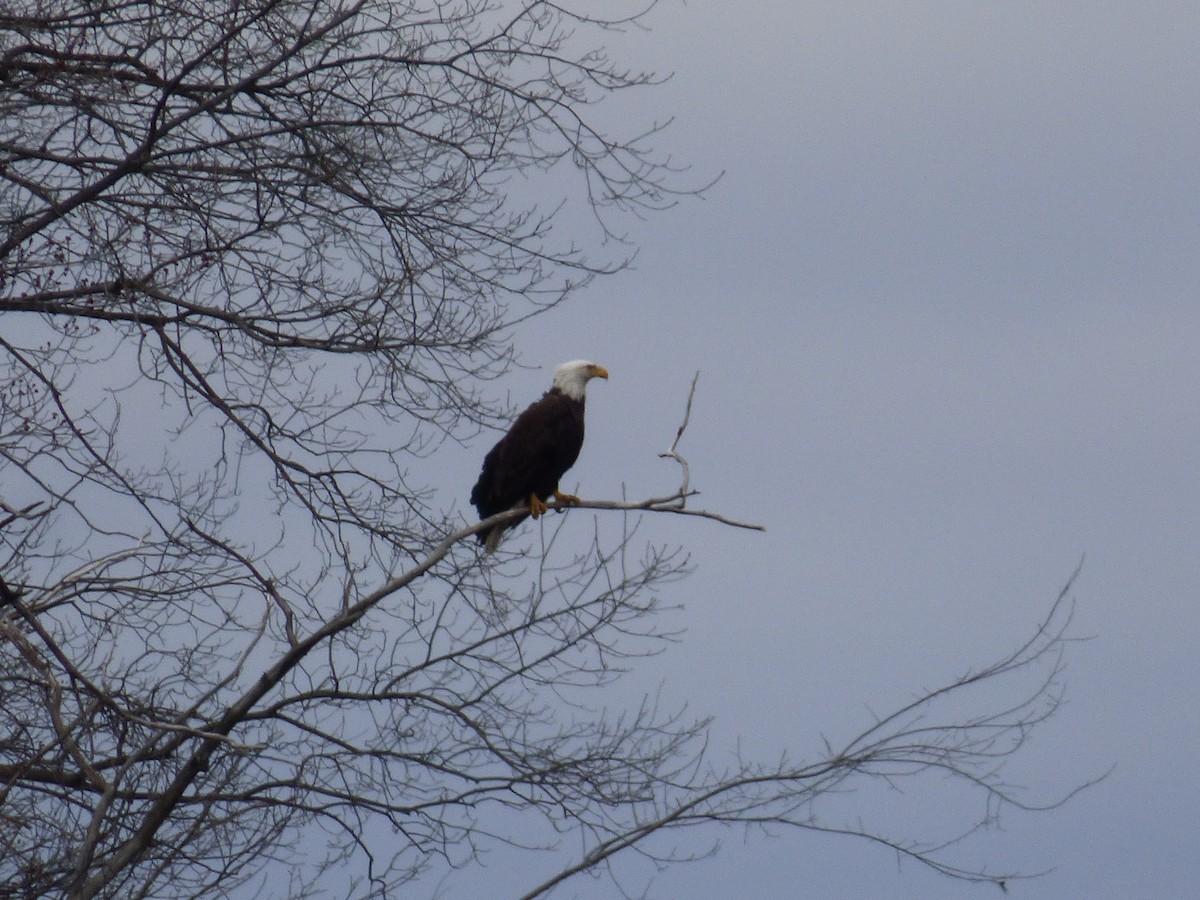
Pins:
x: 523, y: 469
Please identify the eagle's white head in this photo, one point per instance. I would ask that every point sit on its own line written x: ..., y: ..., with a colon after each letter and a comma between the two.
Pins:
x: 572, y: 377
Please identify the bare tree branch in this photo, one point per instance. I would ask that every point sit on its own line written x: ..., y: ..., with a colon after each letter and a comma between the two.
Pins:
x: 673, y: 452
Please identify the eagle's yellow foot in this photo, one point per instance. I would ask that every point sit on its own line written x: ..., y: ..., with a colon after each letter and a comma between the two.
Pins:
x: 567, y: 499
x: 536, y: 506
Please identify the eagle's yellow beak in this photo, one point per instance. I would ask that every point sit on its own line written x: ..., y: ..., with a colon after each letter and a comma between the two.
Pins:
x: 598, y: 372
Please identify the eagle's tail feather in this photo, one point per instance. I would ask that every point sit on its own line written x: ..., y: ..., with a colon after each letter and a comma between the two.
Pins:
x: 494, y: 537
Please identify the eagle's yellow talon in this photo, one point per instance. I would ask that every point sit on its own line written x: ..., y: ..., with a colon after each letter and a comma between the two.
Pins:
x: 567, y: 499
x: 536, y: 506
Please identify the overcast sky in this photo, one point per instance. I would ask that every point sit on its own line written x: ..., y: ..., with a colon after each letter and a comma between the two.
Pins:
x: 944, y: 306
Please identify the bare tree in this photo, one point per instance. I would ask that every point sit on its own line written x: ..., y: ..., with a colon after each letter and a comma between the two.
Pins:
x: 258, y: 259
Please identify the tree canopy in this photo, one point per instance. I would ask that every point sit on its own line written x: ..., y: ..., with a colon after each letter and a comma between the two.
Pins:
x: 258, y: 259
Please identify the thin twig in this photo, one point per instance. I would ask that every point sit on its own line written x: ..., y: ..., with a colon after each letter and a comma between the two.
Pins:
x: 671, y: 504
x: 13, y: 513
x: 673, y: 452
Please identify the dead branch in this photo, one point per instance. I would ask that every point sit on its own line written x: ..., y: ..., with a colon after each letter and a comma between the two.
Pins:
x: 673, y: 451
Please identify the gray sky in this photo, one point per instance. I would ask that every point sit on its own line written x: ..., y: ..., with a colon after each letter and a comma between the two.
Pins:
x: 943, y: 302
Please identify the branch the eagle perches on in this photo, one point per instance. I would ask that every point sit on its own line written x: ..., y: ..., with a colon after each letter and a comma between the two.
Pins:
x: 671, y: 503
